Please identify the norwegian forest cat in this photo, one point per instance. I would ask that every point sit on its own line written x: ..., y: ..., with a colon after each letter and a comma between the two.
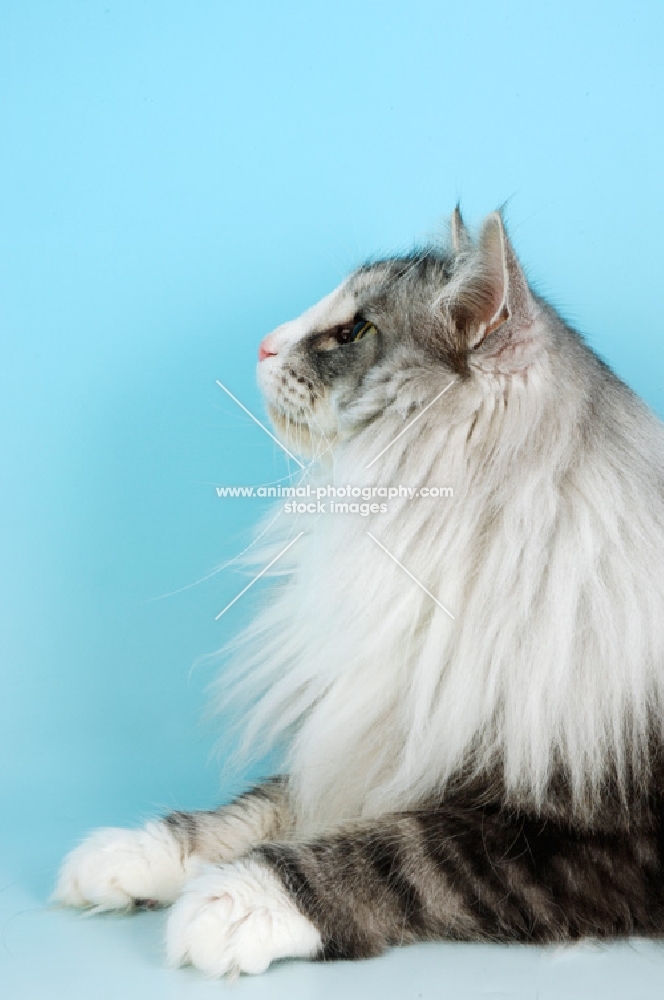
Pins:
x: 469, y: 692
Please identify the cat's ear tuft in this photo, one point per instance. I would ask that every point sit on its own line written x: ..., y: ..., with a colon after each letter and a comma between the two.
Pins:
x: 461, y: 241
x: 491, y: 289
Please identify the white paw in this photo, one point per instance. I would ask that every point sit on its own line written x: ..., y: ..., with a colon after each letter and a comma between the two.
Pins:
x: 113, y: 868
x: 237, y: 918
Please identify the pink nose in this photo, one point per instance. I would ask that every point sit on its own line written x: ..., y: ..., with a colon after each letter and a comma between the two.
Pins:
x: 266, y: 349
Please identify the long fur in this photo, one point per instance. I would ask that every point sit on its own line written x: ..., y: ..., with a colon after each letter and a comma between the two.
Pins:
x: 549, y: 556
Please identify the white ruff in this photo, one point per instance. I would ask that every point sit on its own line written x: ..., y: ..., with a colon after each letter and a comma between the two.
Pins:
x: 550, y: 558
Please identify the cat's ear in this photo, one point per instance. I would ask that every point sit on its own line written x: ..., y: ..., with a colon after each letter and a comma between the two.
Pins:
x: 461, y: 240
x: 491, y: 289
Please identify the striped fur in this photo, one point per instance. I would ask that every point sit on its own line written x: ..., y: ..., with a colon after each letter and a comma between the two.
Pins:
x: 469, y: 869
x: 264, y: 813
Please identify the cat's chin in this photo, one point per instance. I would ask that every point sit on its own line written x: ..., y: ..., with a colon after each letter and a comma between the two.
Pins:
x: 299, y: 437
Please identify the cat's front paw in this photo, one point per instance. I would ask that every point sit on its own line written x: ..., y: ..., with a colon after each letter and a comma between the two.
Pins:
x: 237, y: 918
x: 116, y: 869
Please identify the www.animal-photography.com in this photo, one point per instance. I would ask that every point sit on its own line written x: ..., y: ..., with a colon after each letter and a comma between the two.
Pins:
x: 333, y: 500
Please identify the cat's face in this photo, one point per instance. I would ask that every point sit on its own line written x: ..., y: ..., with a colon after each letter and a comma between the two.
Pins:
x: 436, y: 315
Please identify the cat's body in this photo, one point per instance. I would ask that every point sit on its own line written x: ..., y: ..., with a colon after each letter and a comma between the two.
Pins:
x: 470, y: 690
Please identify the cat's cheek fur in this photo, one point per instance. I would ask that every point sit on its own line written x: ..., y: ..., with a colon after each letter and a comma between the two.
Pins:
x: 237, y: 918
x: 114, y: 868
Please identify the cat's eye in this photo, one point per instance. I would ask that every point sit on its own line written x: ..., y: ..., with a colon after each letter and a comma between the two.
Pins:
x: 362, y: 328
x: 340, y: 336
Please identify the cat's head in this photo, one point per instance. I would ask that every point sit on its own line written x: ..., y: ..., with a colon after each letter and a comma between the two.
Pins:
x: 464, y: 312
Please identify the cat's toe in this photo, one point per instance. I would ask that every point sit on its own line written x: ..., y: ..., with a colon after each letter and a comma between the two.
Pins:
x: 116, y: 869
x: 237, y: 918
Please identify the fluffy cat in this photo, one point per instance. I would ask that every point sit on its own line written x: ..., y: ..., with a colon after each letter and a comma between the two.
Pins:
x: 493, y: 772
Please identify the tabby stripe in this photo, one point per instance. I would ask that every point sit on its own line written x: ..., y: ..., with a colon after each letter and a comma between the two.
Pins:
x: 284, y: 860
x: 462, y: 857
x: 387, y: 861
x: 183, y: 826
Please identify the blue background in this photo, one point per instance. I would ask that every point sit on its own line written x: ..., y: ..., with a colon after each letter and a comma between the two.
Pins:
x: 175, y: 180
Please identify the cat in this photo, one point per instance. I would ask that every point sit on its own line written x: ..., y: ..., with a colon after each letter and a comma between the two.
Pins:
x: 469, y: 692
